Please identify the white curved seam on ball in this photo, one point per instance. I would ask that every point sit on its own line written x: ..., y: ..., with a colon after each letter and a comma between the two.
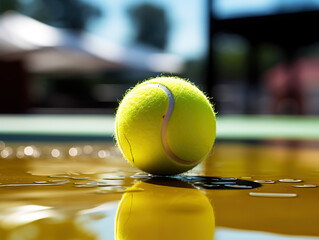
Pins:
x: 118, y: 215
x: 119, y: 140
x: 170, y: 108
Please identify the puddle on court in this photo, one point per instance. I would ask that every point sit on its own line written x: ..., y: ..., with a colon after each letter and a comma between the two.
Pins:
x: 89, y: 192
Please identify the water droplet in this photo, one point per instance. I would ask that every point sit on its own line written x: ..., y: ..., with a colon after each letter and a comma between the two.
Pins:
x: 265, y: 181
x: 197, y: 183
x: 211, y: 186
x: 73, y: 152
x: 190, y: 173
x: 288, y: 180
x: 34, y: 184
x: 87, y: 149
x: 227, y: 179
x: 84, y: 183
x: 6, y: 152
x: 103, y: 154
x: 80, y: 178
x: 55, y: 153
x: 239, y: 186
x: 59, y: 181
x: 115, y: 177
x: 193, y: 179
x: 58, y: 176
x: 218, y: 182
x: 28, y: 151
x: 40, y: 182
x: 142, y: 176
x: 305, y: 186
x: 278, y: 195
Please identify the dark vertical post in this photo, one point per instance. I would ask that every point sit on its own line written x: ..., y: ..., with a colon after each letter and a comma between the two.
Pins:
x: 251, y: 90
x: 14, y: 96
x: 210, y: 80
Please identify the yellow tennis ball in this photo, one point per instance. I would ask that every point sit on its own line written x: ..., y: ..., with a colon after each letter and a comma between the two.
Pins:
x: 167, y: 210
x: 165, y: 126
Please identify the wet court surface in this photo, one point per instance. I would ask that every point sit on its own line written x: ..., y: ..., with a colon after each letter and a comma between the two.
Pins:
x: 80, y: 191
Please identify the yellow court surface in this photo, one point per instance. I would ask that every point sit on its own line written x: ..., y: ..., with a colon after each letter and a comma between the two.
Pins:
x: 247, y: 189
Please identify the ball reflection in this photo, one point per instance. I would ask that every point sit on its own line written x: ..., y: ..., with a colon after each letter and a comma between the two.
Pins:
x: 166, y: 209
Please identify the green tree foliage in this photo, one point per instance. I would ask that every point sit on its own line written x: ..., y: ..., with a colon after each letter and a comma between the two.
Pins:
x: 151, y: 25
x: 66, y: 13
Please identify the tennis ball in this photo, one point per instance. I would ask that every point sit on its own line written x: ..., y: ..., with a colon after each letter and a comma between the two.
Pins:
x: 165, y: 126
x: 167, y: 210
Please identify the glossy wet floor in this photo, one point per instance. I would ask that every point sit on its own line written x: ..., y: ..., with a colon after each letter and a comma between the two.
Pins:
x: 88, y: 192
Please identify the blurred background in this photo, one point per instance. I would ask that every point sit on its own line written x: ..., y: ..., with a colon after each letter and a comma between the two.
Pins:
x: 67, y: 56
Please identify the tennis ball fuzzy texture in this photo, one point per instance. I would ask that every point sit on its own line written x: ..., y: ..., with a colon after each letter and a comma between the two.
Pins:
x: 165, y: 126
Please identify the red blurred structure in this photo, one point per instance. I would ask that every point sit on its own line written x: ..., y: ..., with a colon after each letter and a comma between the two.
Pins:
x: 289, y: 84
x: 290, y: 32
